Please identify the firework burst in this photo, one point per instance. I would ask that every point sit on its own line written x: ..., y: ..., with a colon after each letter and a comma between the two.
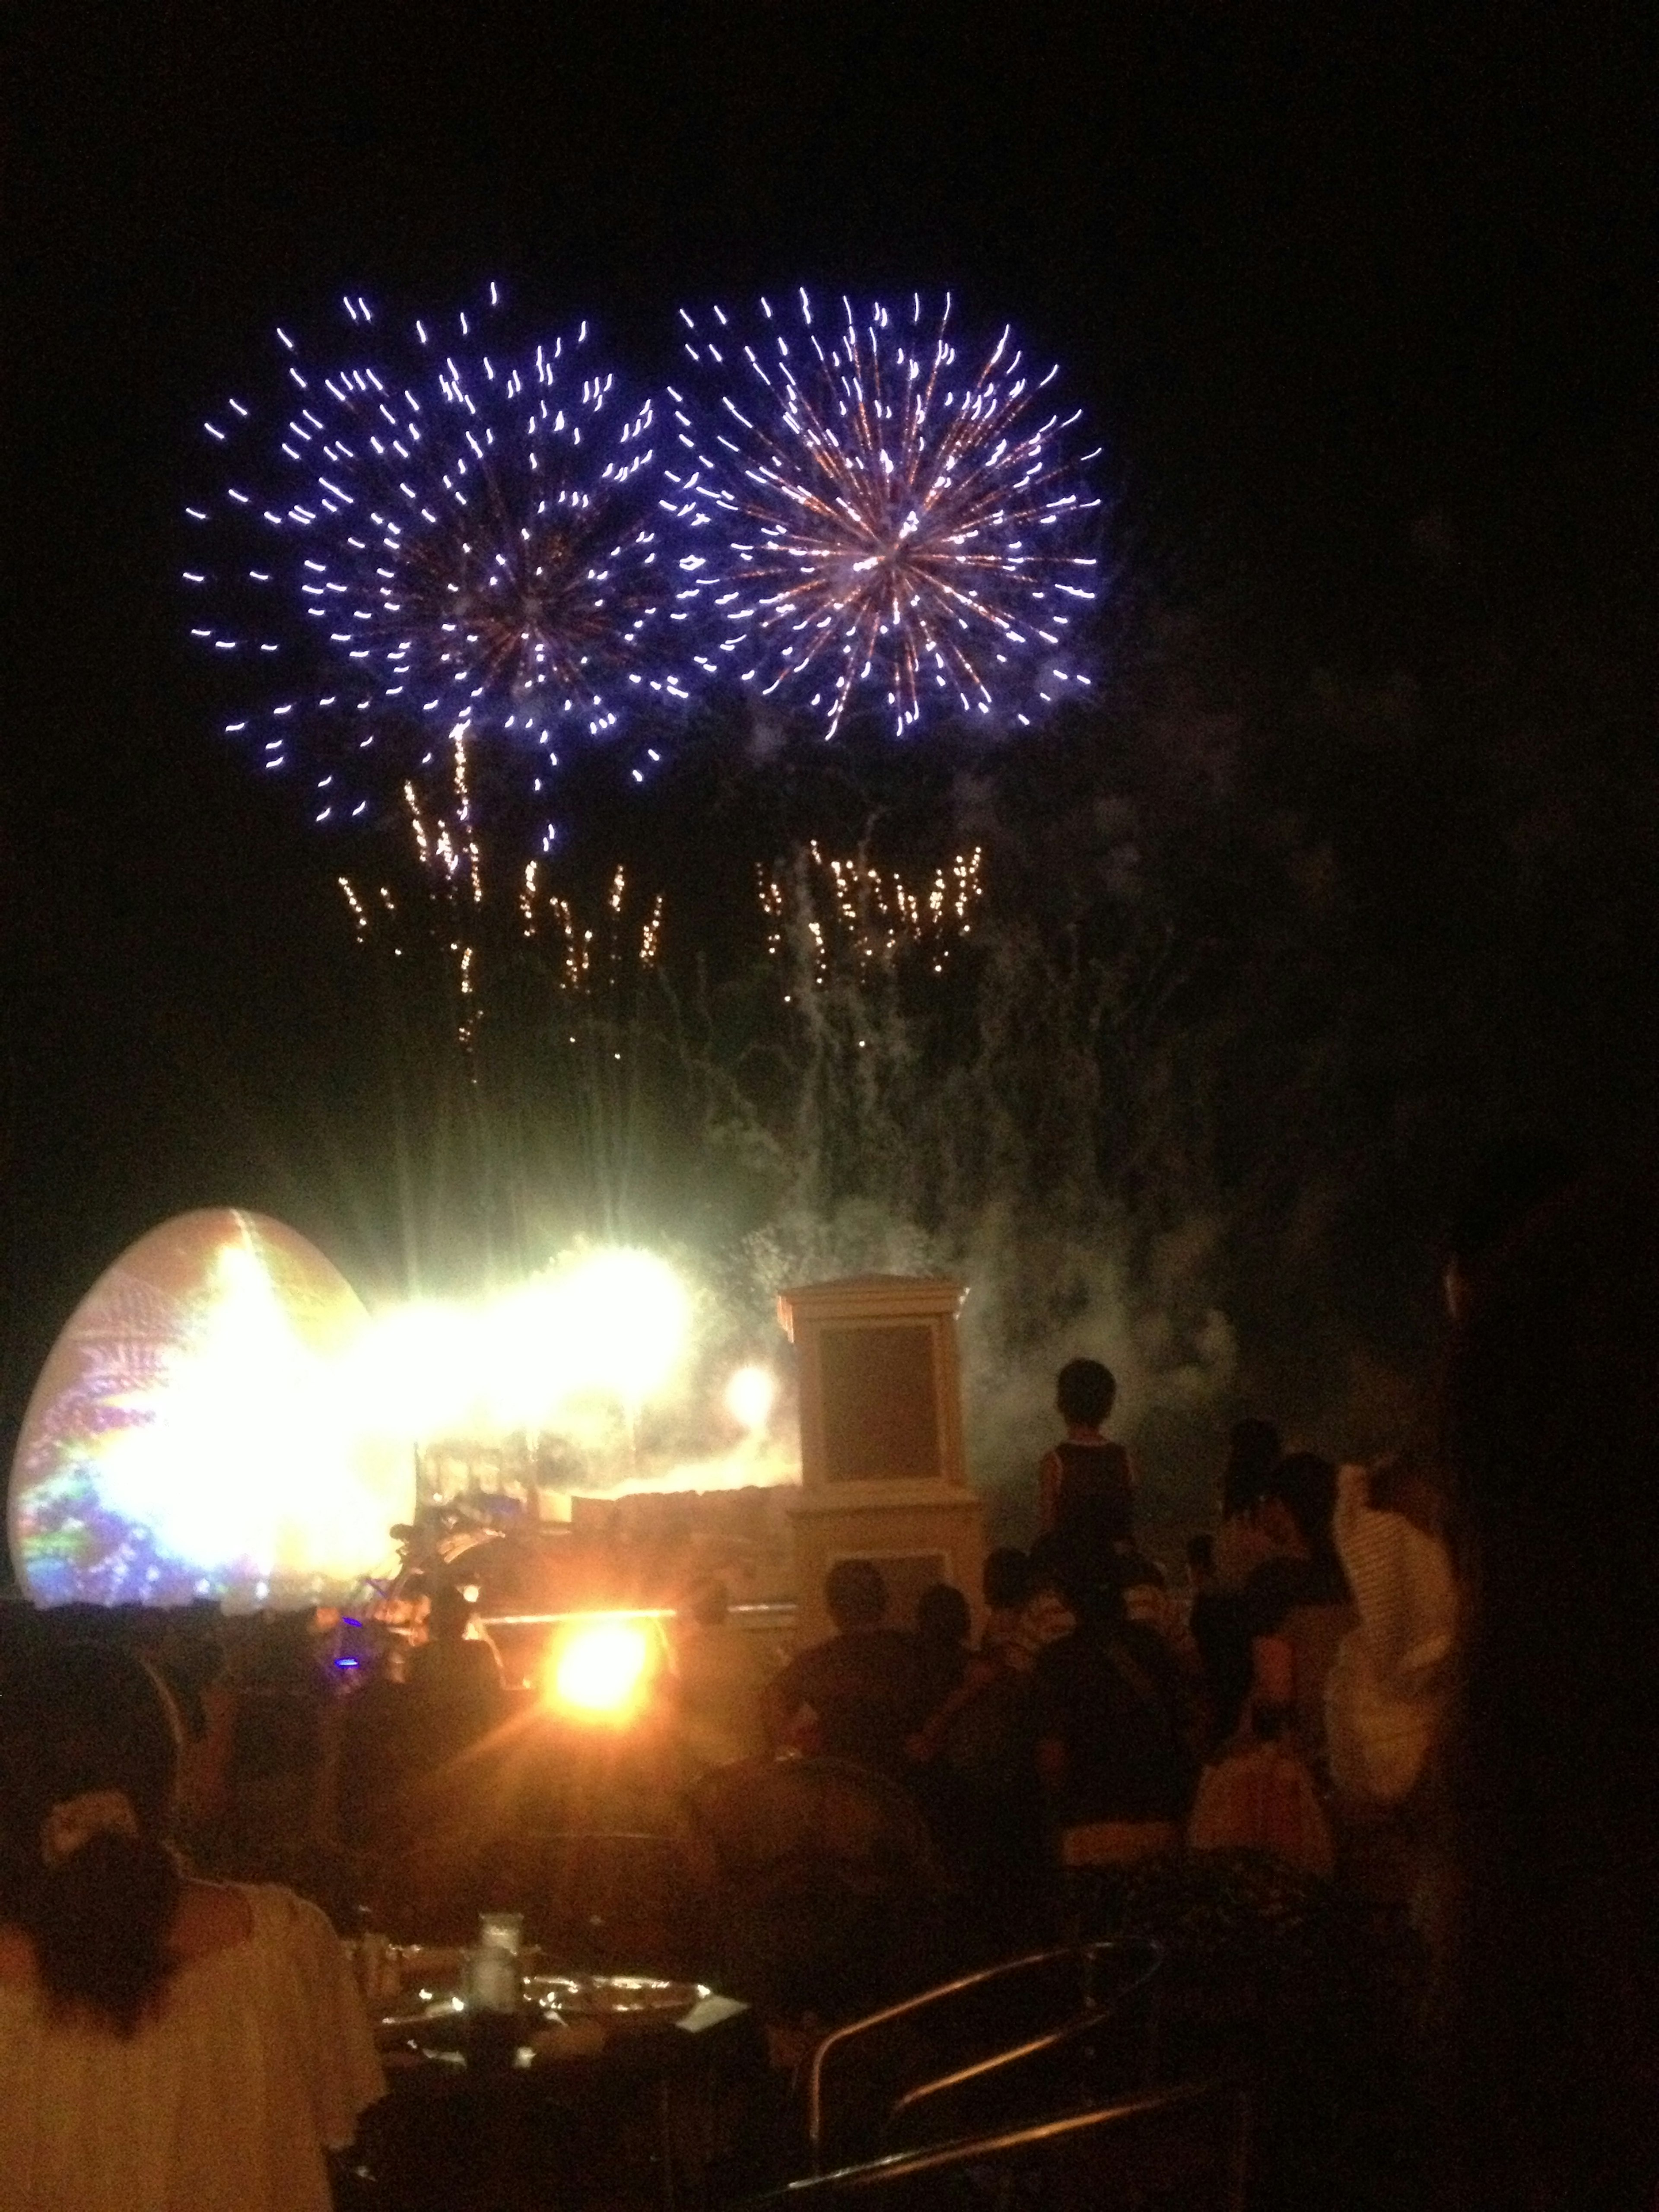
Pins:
x: 433, y: 539
x: 872, y: 517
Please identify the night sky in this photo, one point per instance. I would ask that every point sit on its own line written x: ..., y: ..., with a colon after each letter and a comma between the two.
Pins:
x: 1334, y: 282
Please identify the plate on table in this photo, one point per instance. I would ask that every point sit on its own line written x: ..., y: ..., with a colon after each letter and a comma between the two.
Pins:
x: 619, y: 2000
x: 579, y: 2011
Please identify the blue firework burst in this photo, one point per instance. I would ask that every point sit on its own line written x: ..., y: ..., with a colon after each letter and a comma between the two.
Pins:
x: 437, y: 533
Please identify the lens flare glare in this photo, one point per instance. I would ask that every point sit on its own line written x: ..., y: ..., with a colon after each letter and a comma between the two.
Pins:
x: 600, y: 1670
x: 750, y: 1397
x: 599, y: 1332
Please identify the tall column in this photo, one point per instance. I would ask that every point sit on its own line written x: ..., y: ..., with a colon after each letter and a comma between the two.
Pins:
x: 883, y: 1472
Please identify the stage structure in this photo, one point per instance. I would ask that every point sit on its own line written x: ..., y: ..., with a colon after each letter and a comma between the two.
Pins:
x: 883, y: 1470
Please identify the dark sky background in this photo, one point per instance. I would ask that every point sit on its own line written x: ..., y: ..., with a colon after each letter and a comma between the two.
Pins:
x: 1323, y: 274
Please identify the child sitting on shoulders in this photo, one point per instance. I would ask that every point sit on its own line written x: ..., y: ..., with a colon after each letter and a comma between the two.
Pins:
x: 1085, y: 1485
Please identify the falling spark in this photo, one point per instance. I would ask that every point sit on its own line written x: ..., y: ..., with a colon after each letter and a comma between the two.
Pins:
x: 871, y: 914
x: 591, y: 957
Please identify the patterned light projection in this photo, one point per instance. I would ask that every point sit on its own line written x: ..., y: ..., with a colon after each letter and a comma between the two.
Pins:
x: 194, y: 1432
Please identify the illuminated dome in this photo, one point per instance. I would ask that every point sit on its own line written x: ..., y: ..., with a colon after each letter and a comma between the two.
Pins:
x: 190, y: 1436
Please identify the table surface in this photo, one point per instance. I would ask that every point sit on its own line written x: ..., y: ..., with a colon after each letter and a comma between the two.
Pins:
x: 561, y: 2019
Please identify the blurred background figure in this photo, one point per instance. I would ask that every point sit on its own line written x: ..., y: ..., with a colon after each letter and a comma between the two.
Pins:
x: 1219, y: 1622
x: 1261, y: 1795
x: 1201, y: 1592
x: 456, y: 1692
x: 860, y: 1694
x: 1024, y: 1609
x: 274, y: 1826
x: 978, y: 1781
x: 458, y: 1659
x: 1253, y: 1449
x: 1116, y: 1728
x: 1297, y: 1590
x: 1549, y: 1933
x: 720, y: 1675
x: 943, y: 1626
x: 1299, y: 1594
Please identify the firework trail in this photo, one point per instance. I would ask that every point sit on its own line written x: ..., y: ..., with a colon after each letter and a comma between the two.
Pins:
x: 431, y: 542
x: 871, y: 519
x: 872, y: 915
x: 628, y: 940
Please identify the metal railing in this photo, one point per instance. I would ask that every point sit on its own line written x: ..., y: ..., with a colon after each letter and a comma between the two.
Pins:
x: 1090, y: 2012
x: 1198, y: 2132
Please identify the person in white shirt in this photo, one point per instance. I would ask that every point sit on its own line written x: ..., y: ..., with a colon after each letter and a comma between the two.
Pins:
x: 166, y: 2044
x: 1386, y: 1690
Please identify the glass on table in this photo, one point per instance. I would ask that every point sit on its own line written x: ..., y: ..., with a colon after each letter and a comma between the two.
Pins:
x: 377, y: 1965
x: 492, y: 1968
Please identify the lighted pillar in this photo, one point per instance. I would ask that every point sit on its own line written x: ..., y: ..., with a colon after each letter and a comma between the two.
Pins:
x: 883, y: 1475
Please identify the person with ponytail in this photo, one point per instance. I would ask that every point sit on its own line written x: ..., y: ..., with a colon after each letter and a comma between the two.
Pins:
x: 165, y: 2043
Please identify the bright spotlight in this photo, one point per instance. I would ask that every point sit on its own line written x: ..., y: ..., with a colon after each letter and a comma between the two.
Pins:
x: 416, y: 1368
x: 749, y: 1396
x: 598, y: 1330
x: 599, y: 1669
x: 625, y: 1317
